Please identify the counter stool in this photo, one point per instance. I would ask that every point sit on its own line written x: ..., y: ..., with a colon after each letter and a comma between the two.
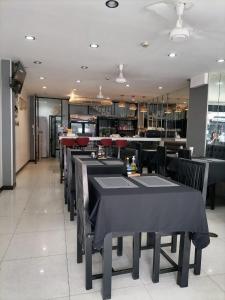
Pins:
x: 106, y: 143
x: 82, y: 142
x: 120, y: 144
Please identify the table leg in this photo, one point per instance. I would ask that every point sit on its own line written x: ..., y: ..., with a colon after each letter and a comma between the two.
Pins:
x: 107, y: 267
x: 198, y: 260
x: 156, y: 258
x: 136, y: 251
x: 183, y: 261
x: 120, y: 246
x: 174, y: 243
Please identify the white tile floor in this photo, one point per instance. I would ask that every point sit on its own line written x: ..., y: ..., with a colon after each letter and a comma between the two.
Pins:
x: 38, y: 253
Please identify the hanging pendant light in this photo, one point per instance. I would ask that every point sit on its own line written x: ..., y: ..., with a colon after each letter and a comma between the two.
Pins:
x: 100, y: 95
x: 167, y: 111
x: 90, y: 101
x: 143, y: 106
x: 132, y: 106
x: 122, y: 103
x: 178, y: 109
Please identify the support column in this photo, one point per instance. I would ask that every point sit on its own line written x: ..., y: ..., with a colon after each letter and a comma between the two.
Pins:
x: 8, y: 127
x: 197, y: 118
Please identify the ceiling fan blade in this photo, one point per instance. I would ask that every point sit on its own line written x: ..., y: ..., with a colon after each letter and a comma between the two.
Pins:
x: 163, y: 9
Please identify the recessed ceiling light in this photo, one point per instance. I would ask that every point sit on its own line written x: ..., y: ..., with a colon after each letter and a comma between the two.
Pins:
x: 127, y: 85
x: 93, y: 45
x: 172, y: 54
x: 220, y: 60
x: 74, y: 90
x: 44, y: 87
x: 30, y: 37
x: 37, y: 62
x: 84, y: 67
x: 78, y: 81
x: 112, y: 3
x: 42, y: 78
x: 145, y: 44
x: 160, y: 87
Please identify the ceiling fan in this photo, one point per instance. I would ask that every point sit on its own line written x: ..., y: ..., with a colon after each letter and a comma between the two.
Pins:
x: 121, y: 78
x: 163, y: 9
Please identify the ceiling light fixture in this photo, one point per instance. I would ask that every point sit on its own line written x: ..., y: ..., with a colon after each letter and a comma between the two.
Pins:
x: 84, y: 67
x: 74, y: 90
x: 37, y: 62
x: 30, y: 37
x: 220, y: 60
x: 144, y: 44
x: 42, y: 78
x: 132, y: 106
x: 172, y: 54
x: 122, y: 103
x: 143, y: 108
x: 44, y: 87
x: 160, y: 87
x: 78, y: 81
x: 127, y: 85
x: 112, y: 3
x: 100, y: 95
x: 93, y: 45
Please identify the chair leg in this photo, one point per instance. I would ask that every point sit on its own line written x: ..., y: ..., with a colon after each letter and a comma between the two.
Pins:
x: 150, y: 240
x: 198, y: 261
x: 71, y: 203
x: 120, y: 246
x: 183, y: 261
x: 118, y: 155
x: 107, y: 267
x: 156, y: 257
x: 88, y: 262
x: 79, y: 245
x: 136, y: 253
x: 174, y: 243
x: 140, y: 240
x: 65, y: 192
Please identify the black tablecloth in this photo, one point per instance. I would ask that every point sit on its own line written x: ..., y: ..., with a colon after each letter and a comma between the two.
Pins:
x: 216, y: 168
x: 143, y: 209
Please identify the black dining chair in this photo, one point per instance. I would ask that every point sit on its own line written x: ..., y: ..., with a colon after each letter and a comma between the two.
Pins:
x: 161, y: 160
x: 184, y: 153
x: 193, y: 174
x: 85, y: 237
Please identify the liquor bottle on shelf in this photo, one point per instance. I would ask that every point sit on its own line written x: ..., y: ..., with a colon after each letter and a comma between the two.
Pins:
x: 128, y: 166
x: 133, y: 166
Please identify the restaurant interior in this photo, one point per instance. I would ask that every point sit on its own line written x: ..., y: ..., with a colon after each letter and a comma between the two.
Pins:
x: 112, y: 150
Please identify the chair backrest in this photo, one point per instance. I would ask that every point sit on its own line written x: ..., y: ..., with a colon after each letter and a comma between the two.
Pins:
x: 82, y: 141
x: 184, y: 153
x: 106, y: 142
x: 194, y: 174
x: 82, y: 196
x: 68, y: 142
x: 121, y: 143
x: 161, y: 160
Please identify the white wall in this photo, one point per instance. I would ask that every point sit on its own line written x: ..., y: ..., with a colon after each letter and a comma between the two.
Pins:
x: 22, y: 133
x: 0, y: 125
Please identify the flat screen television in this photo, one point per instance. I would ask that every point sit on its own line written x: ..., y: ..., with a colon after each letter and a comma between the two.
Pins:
x: 18, y: 77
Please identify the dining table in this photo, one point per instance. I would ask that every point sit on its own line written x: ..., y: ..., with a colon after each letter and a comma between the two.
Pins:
x: 151, y: 203
x: 94, y: 166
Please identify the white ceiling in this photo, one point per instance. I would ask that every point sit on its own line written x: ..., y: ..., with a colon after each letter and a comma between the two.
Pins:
x: 64, y: 30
